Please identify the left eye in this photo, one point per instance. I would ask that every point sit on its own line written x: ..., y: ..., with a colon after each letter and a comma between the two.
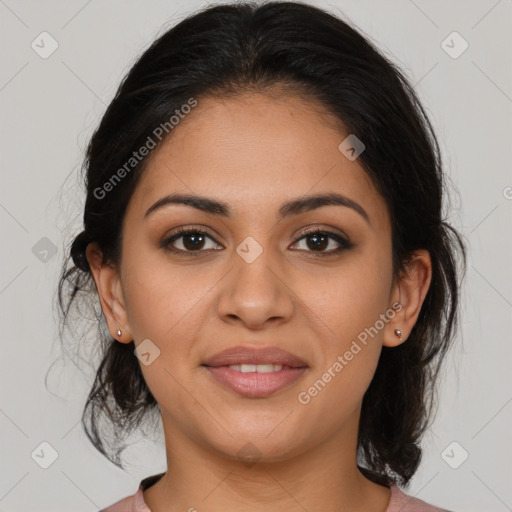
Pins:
x: 319, y: 241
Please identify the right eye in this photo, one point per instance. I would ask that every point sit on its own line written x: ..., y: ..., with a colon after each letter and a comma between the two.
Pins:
x: 190, y: 239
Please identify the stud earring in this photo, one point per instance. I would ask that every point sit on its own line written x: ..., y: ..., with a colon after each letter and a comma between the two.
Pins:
x: 119, y: 332
x: 398, y: 332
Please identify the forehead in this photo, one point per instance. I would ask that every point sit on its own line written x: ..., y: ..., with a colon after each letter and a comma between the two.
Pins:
x: 256, y: 151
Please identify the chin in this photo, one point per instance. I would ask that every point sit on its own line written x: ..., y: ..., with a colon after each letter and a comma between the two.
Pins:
x: 266, y: 445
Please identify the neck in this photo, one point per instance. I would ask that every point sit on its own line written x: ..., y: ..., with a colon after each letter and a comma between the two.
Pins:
x: 324, y: 478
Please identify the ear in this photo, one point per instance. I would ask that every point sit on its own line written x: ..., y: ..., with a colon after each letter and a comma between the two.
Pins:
x: 408, y: 294
x: 109, y: 289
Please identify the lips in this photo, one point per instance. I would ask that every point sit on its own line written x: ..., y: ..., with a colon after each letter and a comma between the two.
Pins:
x: 255, y: 356
x: 255, y: 373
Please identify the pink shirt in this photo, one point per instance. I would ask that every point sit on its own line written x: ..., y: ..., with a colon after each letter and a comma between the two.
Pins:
x: 399, y: 502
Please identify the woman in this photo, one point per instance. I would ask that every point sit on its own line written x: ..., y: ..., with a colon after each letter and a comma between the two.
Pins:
x: 264, y: 230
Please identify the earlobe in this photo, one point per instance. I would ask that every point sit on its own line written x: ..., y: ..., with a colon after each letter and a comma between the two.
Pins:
x: 109, y: 290
x: 409, y: 291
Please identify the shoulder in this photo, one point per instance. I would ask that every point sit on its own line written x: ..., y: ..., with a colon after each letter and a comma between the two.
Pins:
x: 403, y: 502
x: 134, y: 503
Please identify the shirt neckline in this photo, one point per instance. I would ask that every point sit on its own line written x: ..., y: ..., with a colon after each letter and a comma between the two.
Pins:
x: 141, y: 506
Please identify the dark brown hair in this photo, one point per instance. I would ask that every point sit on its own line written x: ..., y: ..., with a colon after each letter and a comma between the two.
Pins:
x: 227, y: 49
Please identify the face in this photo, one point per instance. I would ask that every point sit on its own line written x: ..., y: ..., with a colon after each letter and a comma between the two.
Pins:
x: 253, y: 274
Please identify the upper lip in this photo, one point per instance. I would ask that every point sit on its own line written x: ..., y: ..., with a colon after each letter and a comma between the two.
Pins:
x: 250, y: 355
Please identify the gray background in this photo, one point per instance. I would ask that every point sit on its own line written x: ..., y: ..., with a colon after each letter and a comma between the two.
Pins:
x: 49, y: 108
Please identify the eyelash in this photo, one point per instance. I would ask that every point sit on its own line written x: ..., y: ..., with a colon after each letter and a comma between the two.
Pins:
x: 344, y: 243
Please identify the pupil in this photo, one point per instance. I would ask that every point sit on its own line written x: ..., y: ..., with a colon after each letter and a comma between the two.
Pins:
x: 320, y: 241
x: 190, y: 239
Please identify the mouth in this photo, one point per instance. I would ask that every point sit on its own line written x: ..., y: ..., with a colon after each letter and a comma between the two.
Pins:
x: 255, y: 373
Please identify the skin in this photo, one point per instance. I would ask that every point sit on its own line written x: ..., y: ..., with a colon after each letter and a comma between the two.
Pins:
x: 254, y: 152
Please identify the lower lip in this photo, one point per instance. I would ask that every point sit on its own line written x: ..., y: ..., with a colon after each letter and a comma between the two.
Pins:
x: 253, y: 384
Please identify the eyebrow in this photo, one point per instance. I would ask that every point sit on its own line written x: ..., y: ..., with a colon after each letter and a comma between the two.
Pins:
x: 293, y: 207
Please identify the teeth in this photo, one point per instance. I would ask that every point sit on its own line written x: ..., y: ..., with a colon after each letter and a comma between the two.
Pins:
x: 258, y: 368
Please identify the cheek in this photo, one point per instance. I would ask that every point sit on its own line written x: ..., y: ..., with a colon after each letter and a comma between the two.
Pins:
x: 163, y: 300
x: 352, y: 306
x: 167, y: 308
x: 351, y: 297
x: 349, y: 359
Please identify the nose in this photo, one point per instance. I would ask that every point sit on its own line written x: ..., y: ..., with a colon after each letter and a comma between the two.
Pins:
x: 255, y: 294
